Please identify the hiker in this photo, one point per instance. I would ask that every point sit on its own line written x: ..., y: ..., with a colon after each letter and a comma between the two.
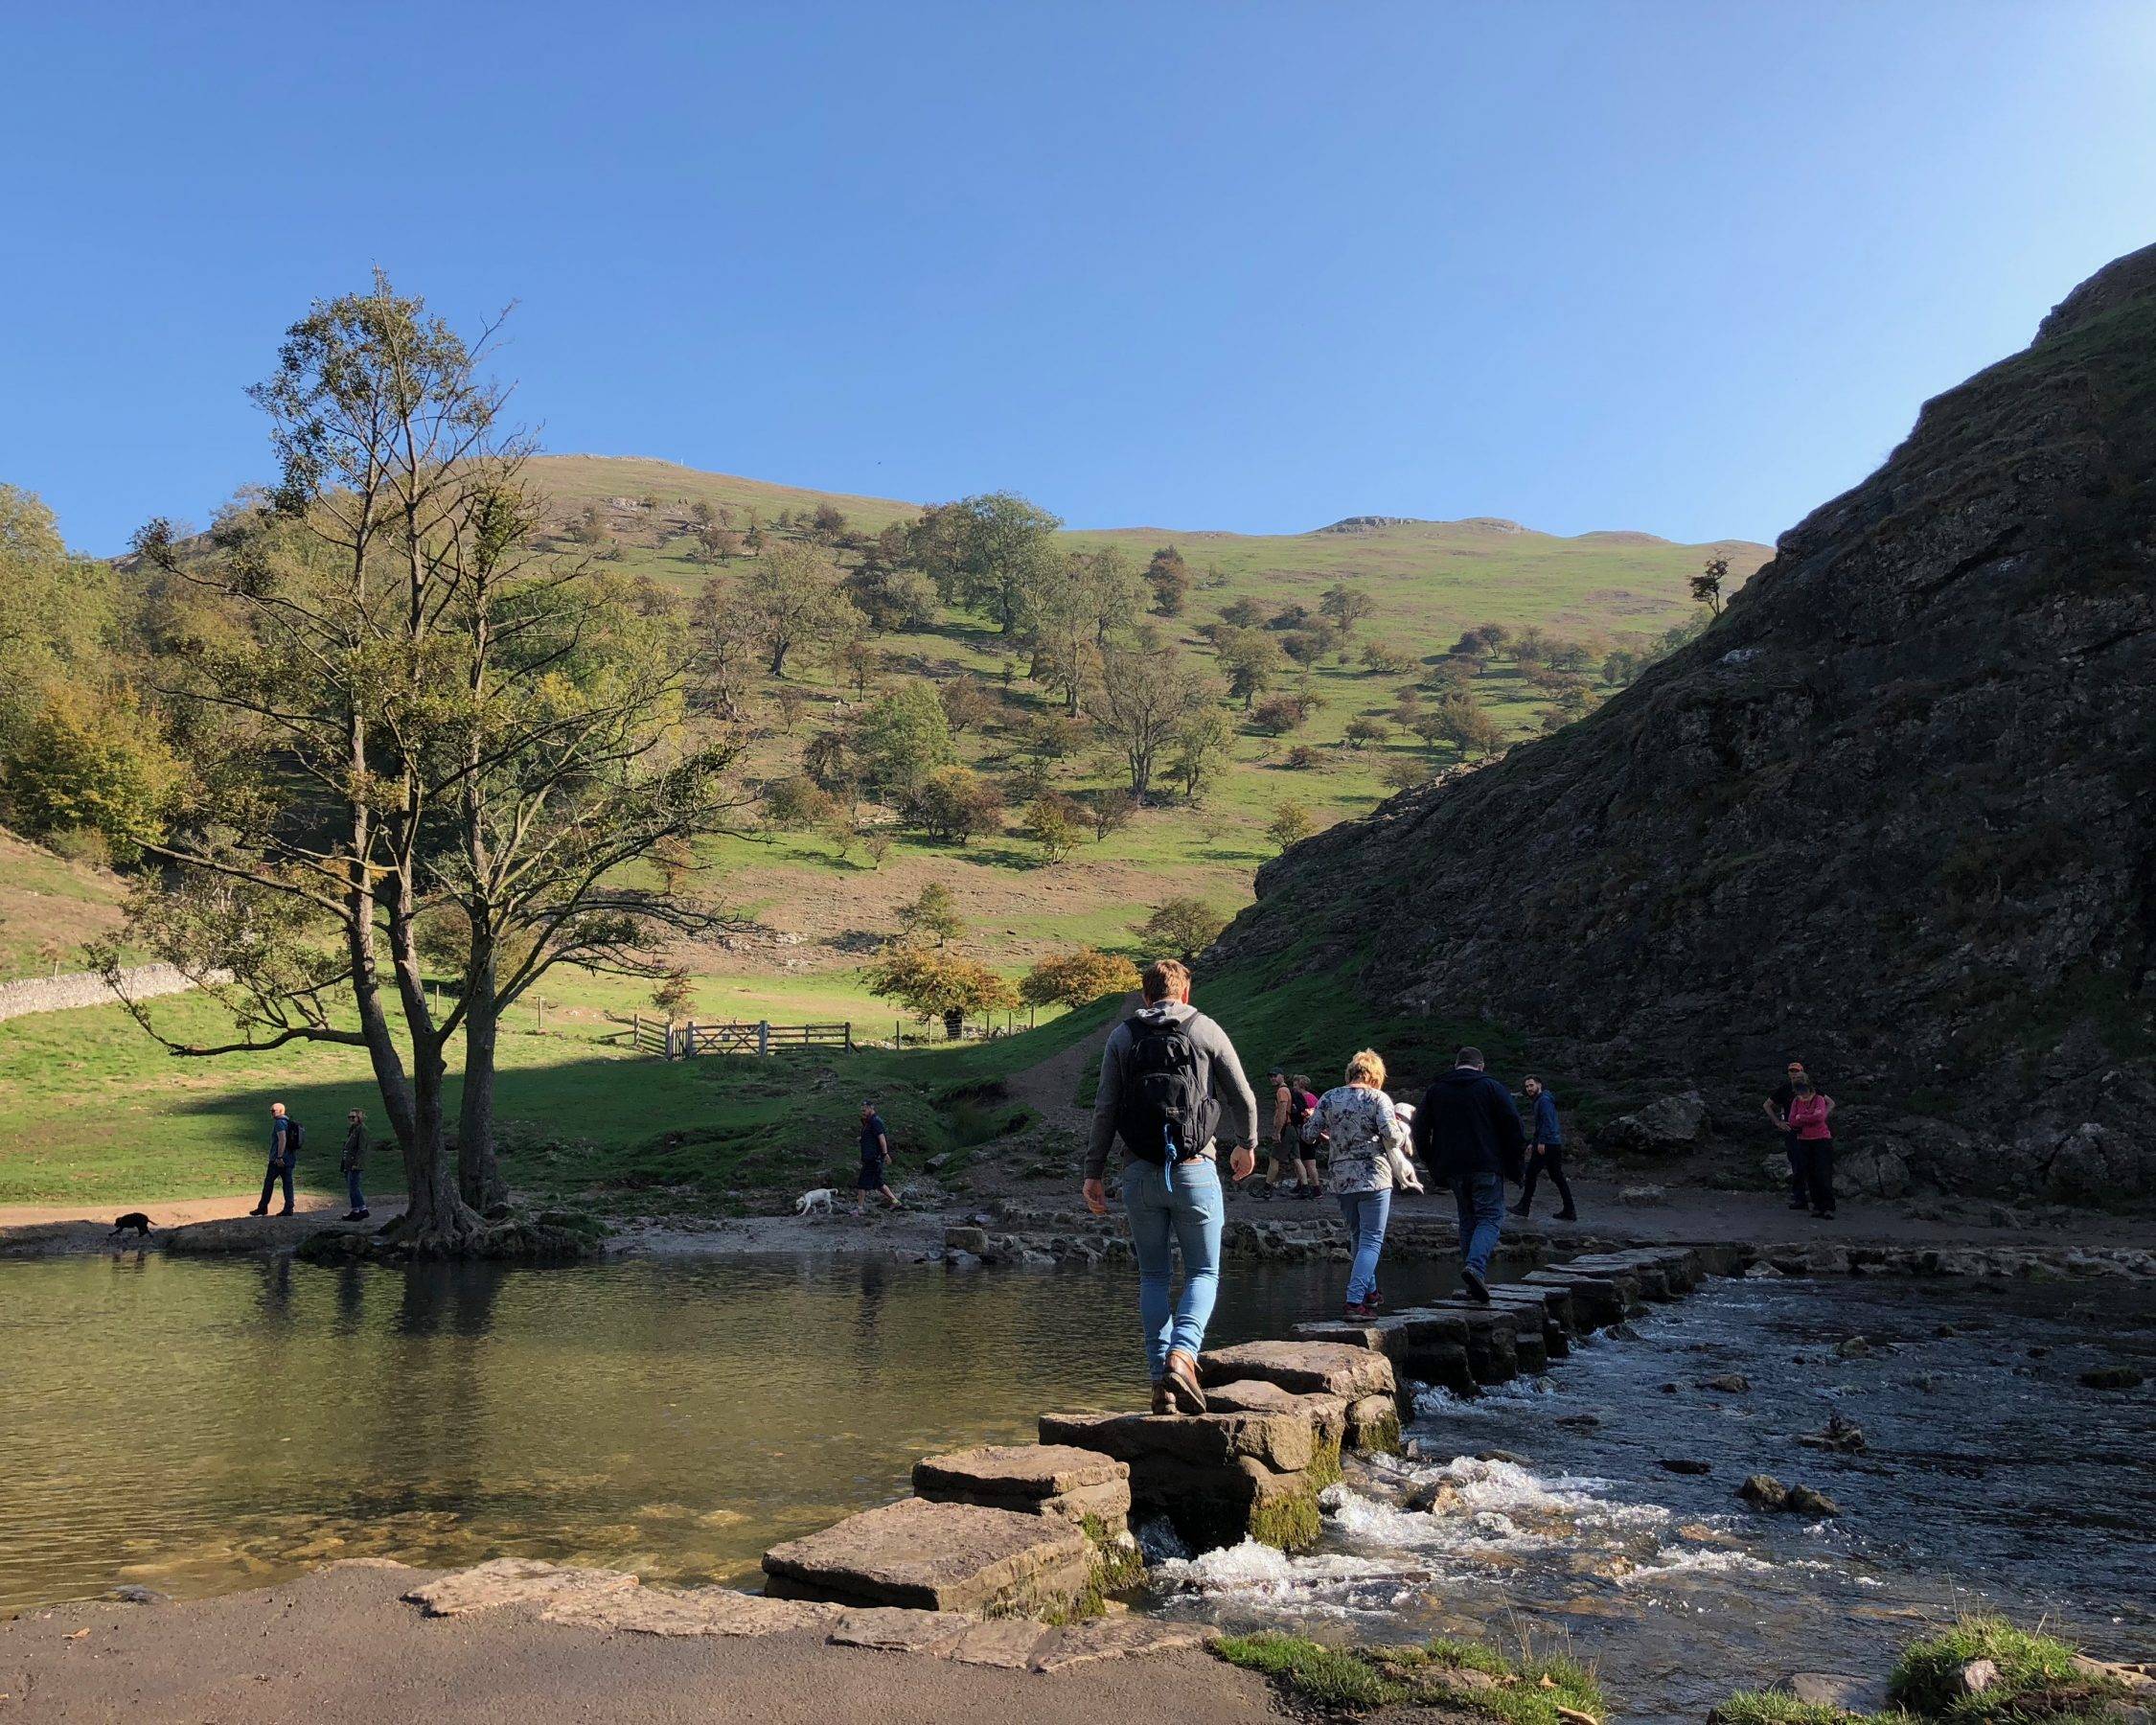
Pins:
x: 1172, y: 1090
x: 1305, y: 1103
x: 285, y: 1137
x: 1777, y: 1106
x: 1468, y: 1134
x: 1810, y: 1124
x: 349, y: 1163
x: 875, y: 1153
x: 1286, y: 1151
x: 1545, y: 1151
x: 1358, y: 1122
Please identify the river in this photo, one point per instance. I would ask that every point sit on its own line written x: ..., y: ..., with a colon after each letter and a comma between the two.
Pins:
x: 201, y: 1425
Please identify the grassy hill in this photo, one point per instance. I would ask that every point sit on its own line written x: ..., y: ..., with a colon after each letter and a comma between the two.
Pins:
x: 49, y: 907
x: 1431, y: 578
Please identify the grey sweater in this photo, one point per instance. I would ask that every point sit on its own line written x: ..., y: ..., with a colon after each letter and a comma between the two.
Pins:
x: 1224, y: 1077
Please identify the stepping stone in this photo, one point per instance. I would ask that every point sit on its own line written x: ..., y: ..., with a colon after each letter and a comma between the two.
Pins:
x: 1491, y: 1337
x: 1599, y: 1298
x: 1319, y: 1368
x: 899, y: 1629
x: 1528, y: 1319
x: 1032, y: 1479
x: 1282, y: 1441
x: 1426, y: 1346
x: 1326, y: 1414
x: 1006, y: 1643
x: 936, y: 1557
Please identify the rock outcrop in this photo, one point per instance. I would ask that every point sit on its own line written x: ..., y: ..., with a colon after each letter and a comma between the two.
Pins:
x: 1894, y: 813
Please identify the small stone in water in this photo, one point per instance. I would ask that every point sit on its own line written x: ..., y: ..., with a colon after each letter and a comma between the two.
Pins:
x: 1734, y: 1383
x: 1685, y: 1464
x: 1802, y: 1500
x: 2112, y: 1377
x: 1855, y: 1349
x: 1763, y: 1492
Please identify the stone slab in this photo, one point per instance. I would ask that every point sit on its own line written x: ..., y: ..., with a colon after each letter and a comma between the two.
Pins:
x: 1327, y: 1413
x: 1308, y: 1368
x: 897, y: 1629
x: 1283, y: 1442
x: 1019, y: 1470
x: 1117, y: 1637
x: 1006, y: 1643
x: 934, y: 1558
x: 514, y: 1581
x: 688, y: 1611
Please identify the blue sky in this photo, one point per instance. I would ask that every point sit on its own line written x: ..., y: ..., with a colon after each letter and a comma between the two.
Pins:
x: 1683, y: 267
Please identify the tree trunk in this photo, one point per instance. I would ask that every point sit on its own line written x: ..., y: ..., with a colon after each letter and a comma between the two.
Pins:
x: 479, y: 1178
x: 437, y: 1221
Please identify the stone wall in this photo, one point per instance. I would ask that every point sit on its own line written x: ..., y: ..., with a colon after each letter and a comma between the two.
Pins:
x: 88, y: 988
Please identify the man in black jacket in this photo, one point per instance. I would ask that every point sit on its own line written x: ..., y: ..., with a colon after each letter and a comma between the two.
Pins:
x: 1468, y: 1132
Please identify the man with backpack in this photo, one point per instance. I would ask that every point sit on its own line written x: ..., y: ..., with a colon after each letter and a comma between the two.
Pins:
x: 1468, y: 1134
x: 1172, y: 1088
x: 285, y: 1136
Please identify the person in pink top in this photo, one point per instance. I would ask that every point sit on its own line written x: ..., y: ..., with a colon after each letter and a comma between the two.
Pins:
x: 1811, y: 1126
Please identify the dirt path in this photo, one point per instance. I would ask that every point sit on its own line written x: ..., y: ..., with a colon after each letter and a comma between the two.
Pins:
x: 1050, y: 1088
x: 340, y: 1645
x: 176, y: 1212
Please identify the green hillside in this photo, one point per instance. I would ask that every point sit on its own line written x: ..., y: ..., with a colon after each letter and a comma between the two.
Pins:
x: 1431, y: 578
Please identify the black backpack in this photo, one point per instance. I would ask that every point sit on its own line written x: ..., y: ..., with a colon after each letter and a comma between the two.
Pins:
x: 1165, y: 1094
x: 295, y: 1135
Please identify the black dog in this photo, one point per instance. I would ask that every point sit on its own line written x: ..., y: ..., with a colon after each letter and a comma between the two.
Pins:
x: 133, y: 1219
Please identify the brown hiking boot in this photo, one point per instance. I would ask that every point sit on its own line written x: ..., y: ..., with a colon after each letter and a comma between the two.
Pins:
x: 1179, y: 1384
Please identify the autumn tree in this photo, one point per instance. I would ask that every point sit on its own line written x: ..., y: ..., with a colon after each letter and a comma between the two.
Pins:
x: 932, y: 915
x: 409, y: 709
x: 1077, y: 978
x: 1052, y: 823
x: 1291, y: 823
x: 931, y: 984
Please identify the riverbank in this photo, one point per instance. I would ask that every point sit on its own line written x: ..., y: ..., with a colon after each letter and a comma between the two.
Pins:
x: 344, y: 1644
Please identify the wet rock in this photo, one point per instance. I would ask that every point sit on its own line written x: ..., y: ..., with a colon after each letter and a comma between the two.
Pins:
x: 1856, y: 1348
x: 1841, y: 1432
x: 966, y: 1237
x: 1506, y: 1456
x: 1579, y: 1422
x: 1763, y: 1492
x: 1733, y: 1383
x: 2038, y: 1352
x: 936, y: 1557
x: 2112, y: 1377
x: 132, y: 1594
x: 1927, y: 1381
x: 1683, y: 1464
x: 1762, y: 1273
x: 1836, y: 1690
x: 1804, y: 1500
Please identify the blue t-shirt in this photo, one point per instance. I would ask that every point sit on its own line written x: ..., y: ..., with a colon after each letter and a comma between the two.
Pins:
x: 872, y: 1138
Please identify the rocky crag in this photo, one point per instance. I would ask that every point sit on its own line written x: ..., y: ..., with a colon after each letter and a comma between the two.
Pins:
x: 1892, y: 813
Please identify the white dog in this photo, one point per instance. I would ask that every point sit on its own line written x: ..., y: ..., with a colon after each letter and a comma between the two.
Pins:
x: 816, y: 1203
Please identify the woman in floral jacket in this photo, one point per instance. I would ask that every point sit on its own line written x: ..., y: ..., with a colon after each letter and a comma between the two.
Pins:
x: 1357, y: 1124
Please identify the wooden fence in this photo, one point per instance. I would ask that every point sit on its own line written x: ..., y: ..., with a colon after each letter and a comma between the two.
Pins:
x: 687, y: 1038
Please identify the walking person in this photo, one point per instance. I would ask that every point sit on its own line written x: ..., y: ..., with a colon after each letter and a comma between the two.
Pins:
x: 1173, y: 1091
x: 285, y: 1136
x: 1545, y: 1151
x: 1467, y: 1133
x: 874, y: 1155
x: 1358, y: 1122
x: 1810, y: 1120
x: 1286, y: 1146
x: 1776, y: 1107
x: 1305, y: 1101
x: 352, y: 1160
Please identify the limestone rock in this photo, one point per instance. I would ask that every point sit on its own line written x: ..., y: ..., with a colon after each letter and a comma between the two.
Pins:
x: 1118, y: 1637
x: 899, y: 1629
x: 1763, y: 1492
x: 1751, y: 806
x: 1035, y: 1479
x: 936, y: 1557
x: 1673, y: 1126
x: 1282, y: 1441
x: 1804, y: 1500
x: 515, y: 1581
x: 1320, y: 1367
x: 719, y: 1611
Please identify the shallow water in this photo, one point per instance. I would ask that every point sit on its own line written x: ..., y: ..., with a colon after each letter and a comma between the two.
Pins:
x: 1992, y: 1478
x: 198, y: 1426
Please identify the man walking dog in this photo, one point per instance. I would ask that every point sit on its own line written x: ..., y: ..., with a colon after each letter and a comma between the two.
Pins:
x: 1172, y: 1090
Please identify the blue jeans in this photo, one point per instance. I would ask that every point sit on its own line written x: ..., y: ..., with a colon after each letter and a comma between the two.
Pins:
x: 1481, y: 1212
x: 352, y: 1188
x: 1180, y: 1205
x: 276, y: 1171
x: 1365, y: 1214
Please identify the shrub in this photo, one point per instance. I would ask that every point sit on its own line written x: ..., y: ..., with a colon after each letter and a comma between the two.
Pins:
x: 1291, y: 824
x: 1077, y: 978
x: 954, y: 803
x: 1183, y: 925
